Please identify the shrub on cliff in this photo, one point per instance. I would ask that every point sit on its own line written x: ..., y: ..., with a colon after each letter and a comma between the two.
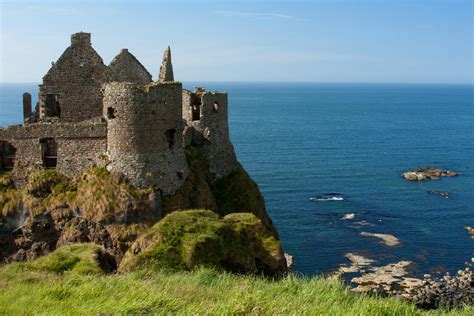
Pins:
x: 108, y: 197
x: 47, y: 181
x: 184, y: 240
x: 6, y: 180
x: 75, y: 258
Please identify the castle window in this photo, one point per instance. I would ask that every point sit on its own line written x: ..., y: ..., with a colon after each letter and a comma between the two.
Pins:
x: 52, y: 105
x: 196, y: 108
x: 171, y: 137
x: 215, y: 107
x: 49, y: 152
x: 110, y: 113
x: 7, y: 155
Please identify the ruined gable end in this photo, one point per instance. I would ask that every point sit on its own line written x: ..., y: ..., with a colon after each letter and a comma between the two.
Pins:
x: 71, y: 90
x: 126, y: 68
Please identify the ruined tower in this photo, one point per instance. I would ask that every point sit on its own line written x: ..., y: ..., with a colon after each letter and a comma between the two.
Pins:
x: 144, y: 128
x: 166, y: 69
x: 206, y: 117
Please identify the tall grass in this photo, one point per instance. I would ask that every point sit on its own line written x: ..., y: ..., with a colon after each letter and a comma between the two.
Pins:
x: 203, y: 291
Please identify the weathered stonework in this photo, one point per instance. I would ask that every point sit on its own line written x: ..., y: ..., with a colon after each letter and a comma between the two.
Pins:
x: 79, y: 146
x: 206, y: 116
x: 71, y: 89
x: 166, y: 69
x: 91, y: 114
x: 126, y: 68
x: 144, y: 134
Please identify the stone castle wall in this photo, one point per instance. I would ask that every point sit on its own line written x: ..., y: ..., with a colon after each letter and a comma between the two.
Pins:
x: 79, y: 146
x: 210, y: 128
x: 75, y: 82
x: 144, y: 134
x: 88, y: 110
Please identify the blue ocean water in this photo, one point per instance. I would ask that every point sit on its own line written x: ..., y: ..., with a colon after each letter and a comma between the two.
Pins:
x: 299, y: 140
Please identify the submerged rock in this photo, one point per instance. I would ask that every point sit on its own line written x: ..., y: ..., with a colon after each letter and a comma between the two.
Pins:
x: 387, y: 239
x: 421, y: 174
x: 440, y: 193
x: 358, y: 263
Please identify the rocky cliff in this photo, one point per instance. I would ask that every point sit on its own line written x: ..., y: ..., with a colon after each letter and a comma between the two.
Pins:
x: 104, y: 208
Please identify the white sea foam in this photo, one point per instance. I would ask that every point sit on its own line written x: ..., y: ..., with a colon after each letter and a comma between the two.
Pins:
x: 327, y: 198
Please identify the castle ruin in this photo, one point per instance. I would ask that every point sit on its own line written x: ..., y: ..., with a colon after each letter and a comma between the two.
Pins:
x: 90, y: 114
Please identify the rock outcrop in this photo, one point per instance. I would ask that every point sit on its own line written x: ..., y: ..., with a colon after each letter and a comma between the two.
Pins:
x: 421, y: 174
x: 237, y: 242
x: 387, y: 239
x: 104, y: 208
x: 394, y: 279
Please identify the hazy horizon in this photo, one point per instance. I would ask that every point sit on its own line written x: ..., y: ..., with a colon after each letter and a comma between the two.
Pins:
x: 365, y: 41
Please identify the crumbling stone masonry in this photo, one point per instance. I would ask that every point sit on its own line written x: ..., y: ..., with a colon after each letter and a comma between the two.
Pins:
x: 144, y: 128
x: 90, y: 114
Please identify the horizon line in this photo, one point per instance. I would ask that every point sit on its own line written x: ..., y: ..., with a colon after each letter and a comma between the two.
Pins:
x: 296, y: 82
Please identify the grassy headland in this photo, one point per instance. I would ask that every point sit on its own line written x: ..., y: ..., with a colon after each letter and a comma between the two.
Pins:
x: 79, y: 288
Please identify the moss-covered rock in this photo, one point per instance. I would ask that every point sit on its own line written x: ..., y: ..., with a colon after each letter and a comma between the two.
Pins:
x: 234, y: 193
x: 52, y: 210
x: 76, y: 258
x: 187, y: 239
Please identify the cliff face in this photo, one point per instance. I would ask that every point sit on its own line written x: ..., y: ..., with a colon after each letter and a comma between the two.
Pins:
x: 104, y: 208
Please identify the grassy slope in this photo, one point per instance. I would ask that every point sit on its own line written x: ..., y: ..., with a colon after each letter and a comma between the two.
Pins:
x: 202, y: 291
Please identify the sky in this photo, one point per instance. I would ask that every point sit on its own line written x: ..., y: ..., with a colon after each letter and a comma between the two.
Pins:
x: 399, y: 41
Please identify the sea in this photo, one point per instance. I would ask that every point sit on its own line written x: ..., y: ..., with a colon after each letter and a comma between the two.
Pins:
x: 320, y: 151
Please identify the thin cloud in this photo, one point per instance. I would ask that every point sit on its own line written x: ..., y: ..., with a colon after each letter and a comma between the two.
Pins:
x: 256, y: 14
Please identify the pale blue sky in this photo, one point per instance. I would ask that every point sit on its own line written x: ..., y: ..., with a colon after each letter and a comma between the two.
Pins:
x: 292, y: 40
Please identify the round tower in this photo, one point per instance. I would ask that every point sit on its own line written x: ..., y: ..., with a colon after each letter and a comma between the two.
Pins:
x: 144, y: 127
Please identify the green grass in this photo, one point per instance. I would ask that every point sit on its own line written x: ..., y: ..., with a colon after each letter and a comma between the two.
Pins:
x: 75, y: 259
x: 203, y: 291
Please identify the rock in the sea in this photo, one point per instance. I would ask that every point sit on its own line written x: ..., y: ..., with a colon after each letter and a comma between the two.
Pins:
x: 421, y: 174
x: 238, y: 242
x: 387, y: 239
x: 386, y: 278
x: 289, y: 261
x: 349, y: 216
x: 358, y: 263
x: 469, y: 229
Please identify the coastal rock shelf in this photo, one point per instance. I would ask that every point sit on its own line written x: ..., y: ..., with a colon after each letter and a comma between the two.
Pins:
x: 421, y: 174
x: 394, y: 279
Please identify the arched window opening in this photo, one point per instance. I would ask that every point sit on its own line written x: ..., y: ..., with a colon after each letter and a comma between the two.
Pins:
x: 215, y: 107
x: 7, y: 155
x: 49, y: 152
